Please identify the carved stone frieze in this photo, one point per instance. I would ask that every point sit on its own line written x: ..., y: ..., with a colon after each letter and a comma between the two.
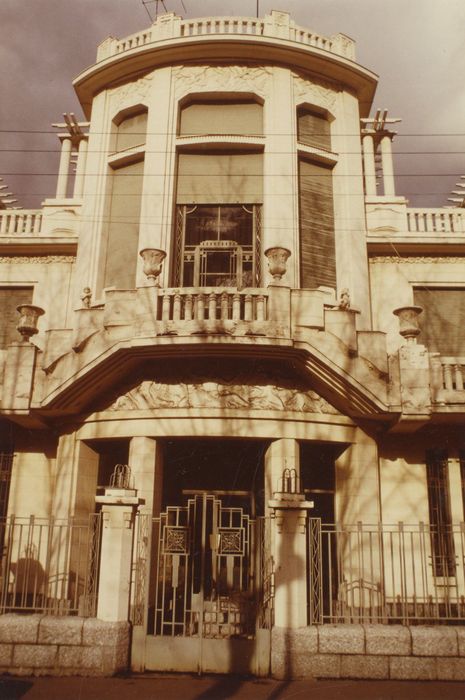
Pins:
x: 36, y: 259
x: 422, y: 260
x: 130, y: 94
x: 212, y: 394
x: 222, y: 79
x: 318, y: 92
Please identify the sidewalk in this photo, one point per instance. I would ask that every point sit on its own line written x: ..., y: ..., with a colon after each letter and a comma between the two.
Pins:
x: 165, y: 687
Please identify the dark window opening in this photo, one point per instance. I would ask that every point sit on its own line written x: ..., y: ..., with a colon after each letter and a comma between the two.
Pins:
x: 218, y: 246
x: 442, y: 544
x: 224, y: 467
x: 442, y: 322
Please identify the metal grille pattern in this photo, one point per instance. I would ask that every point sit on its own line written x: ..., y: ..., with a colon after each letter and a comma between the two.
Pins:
x: 315, y: 581
x: 141, y: 561
x: 205, y: 577
x: 384, y: 574
x: 6, y: 463
x: 266, y: 564
x: 50, y: 566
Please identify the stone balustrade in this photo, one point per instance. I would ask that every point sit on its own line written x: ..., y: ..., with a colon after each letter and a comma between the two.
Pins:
x: 23, y: 222
x: 452, y: 373
x: 276, y: 24
x: 192, y: 304
x: 436, y: 220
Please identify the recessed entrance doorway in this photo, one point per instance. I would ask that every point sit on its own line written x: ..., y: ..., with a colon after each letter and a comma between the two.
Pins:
x: 205, y: 610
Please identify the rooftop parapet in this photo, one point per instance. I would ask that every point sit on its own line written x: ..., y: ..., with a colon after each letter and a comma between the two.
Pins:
x: 277, y: 25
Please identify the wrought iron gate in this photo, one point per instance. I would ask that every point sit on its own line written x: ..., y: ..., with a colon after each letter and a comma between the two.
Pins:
x: 206, y: 576
x: 208, y: 592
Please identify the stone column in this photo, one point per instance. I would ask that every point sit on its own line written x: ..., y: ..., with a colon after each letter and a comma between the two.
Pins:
x: 63, y: 168
x: 388, y: 169
x: 146, y: 462
x: 118, y: 512
x: 80, y: 168
x: 369, y: 164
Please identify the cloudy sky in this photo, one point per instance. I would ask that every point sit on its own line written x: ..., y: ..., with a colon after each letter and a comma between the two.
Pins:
x: 417, y: 47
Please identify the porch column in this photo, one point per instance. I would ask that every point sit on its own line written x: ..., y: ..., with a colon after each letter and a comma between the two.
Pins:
x: 63, y: 168
x: 388, y: 168
x: 369, y: 164
x: 146, y: 462
x: 288, y: 538
x: 80, y: 168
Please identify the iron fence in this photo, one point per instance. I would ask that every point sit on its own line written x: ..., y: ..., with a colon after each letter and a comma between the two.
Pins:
x: 49, y: 565
x: 384, y: 574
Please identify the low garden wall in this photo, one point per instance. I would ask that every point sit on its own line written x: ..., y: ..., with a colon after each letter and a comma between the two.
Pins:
x: 33, y: 645
x: 370, y: 651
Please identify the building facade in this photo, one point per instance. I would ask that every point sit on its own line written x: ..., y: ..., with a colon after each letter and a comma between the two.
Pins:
x: 225, y: 300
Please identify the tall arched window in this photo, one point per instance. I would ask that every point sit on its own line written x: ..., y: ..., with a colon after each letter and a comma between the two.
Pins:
x: 125, y: 198
x: 219, y: 194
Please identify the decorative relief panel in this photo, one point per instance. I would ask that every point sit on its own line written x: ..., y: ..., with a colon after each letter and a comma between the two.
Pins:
x: 189, y: 79
x: 318, y: 92
x: 130, y: 94
x: 212, y: 394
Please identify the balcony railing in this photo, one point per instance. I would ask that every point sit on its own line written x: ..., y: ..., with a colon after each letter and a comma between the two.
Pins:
x: 25, y: 222
x: 49, y: 566
x: 212, y: 304
x: 171, y: 26
x: 407, y: 574
x: 436, y: 221
x: 453, y: 373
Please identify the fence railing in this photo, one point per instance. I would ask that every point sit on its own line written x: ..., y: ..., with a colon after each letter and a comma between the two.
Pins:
x: 25, y: 222
x: 406, y: 574
x: 49, y: 566
x: 435, y: 220
x: 211, y: 304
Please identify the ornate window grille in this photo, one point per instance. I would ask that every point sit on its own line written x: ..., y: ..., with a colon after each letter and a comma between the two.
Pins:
x: 217, y: 245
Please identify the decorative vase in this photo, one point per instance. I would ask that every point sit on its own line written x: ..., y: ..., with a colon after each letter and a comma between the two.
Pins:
x: 277, y: 262
x: 153, y: 260
x: 29, y: 316
x: 408, y: 322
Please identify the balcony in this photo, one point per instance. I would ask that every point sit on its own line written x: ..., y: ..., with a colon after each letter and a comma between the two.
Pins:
x: 413, y: 230
x: 52, y: 229
x: 23, y: 222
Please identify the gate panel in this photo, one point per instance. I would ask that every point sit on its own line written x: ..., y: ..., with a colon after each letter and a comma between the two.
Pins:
x: 205, y: 577
x: 206, y: 609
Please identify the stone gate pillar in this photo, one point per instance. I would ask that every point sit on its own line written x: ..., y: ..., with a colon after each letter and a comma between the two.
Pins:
x: 119, y: 507
x: 290, y: 517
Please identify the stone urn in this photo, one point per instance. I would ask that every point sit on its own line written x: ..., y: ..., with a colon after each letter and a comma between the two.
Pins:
x: 408, y: 322
x: 277, y: 262
x: 153, y: 260
x: 29, y: 316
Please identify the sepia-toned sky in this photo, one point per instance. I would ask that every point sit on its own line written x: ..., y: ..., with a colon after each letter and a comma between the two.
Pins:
x: 417, y: 47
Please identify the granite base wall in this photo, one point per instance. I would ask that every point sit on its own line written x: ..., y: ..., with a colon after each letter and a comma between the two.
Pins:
x: 369, y: 652
x: 39, y: 645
